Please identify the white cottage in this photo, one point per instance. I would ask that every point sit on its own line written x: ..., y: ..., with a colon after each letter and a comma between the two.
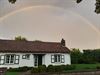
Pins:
x: 33, y: 53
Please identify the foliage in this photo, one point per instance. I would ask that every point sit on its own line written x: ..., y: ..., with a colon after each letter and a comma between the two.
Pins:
x: 20, y: 69
x: 78, y: 1
x: 35, y: 70
x: 39, y: 69
x: 69, y: 67
x: 76, y: 56
x: 12, y: 73
x: 97, y: 4
x: 19, y: 38
x: 50, y: 68
x: 87, y: 57
x: 42, y: 68
x: 12, y: 1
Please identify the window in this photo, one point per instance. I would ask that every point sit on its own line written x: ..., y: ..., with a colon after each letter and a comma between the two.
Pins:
x: 57, y: 58
x: 9, y: 59
x: 2, y: 59
x: 62, y: 59
x: 27, y: 56
x: 17, y: 59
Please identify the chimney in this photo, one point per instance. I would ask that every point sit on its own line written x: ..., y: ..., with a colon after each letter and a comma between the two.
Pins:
x: 63, y: 43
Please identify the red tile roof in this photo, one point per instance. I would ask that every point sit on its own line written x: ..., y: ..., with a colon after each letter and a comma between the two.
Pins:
x: 32, y: 47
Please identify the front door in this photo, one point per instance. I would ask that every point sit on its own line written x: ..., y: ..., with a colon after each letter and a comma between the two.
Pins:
x: 37, y: 60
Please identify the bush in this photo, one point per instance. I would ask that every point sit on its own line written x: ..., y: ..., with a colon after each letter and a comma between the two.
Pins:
x: 98, y: 67
x: 58, y: 68
x: 42, y: 68
x: 69, y: 67
x: 35, y: 70
x: 50, y: 68
x: 20, y: 69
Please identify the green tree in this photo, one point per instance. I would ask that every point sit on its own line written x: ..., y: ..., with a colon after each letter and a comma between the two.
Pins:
x: 97, y: 4
x: 19, y: 38
x: 12, y: 1
x: 76, y: 56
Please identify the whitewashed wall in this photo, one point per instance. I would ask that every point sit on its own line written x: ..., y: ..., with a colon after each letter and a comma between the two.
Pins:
x: 46, y: 59
x: 22, y: 62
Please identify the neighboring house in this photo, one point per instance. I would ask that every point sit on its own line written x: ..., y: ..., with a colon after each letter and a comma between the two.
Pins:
x: 33, y: 53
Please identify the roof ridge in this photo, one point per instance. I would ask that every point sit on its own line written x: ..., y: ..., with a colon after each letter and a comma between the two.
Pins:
x: 28, y: 41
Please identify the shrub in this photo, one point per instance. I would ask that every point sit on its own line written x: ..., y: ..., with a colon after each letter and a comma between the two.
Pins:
x: 58, y: 68
x: 42, y: 68
x: 69, y: 67
x: 98, y: 67
x: 39, y: 69
x: 35, y: 70
x: 20, y: 69
x: 50, y: 68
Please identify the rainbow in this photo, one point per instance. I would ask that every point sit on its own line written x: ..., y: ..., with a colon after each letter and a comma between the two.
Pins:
x: 30, y: 7
x: 74, y: 13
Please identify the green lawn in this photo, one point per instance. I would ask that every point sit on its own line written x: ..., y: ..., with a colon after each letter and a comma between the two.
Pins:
x: 12, y: 73
x: 78, y: 68
x: 86, y: 66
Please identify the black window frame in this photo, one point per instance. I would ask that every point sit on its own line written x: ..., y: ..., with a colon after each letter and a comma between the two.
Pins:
x: 52, y: 59
x: 16, y: 59
x: 9, y: 61
x: 2, y: 59
x: 62, y: 59
x: 55, y: 58
x: 26, y: 56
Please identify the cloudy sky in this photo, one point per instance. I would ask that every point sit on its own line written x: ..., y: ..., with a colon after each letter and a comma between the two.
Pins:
x: 51, y: 20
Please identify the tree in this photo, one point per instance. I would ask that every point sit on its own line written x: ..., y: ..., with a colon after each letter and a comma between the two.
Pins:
x: 12, y: 1
x: 76, y: 56
x: 97, y: 4
x: 19, y: 38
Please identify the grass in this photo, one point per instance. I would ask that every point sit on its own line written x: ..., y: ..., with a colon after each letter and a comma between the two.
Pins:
x: 12, y: 73
x: 86, y: 66
x: 78, y: 68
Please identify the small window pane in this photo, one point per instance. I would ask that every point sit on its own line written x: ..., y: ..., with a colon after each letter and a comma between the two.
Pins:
x: 62, y: 59
x: 2, y: 62
x: 52, y: 58
x: 16, y: 61
x: 17, y: 57
x: 27, y: 56
x: 23, y: 57
x: 55, y: 58
x: 58, y: 58
x: 2, y: 57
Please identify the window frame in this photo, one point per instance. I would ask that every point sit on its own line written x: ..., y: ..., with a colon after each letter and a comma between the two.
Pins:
x: 9, y: 61
x: 2, y: 59
x: 16, y: 59
x: 26, y: 56
x: 52, y: 59
x: 58, y: 57
x: 62, y: 59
